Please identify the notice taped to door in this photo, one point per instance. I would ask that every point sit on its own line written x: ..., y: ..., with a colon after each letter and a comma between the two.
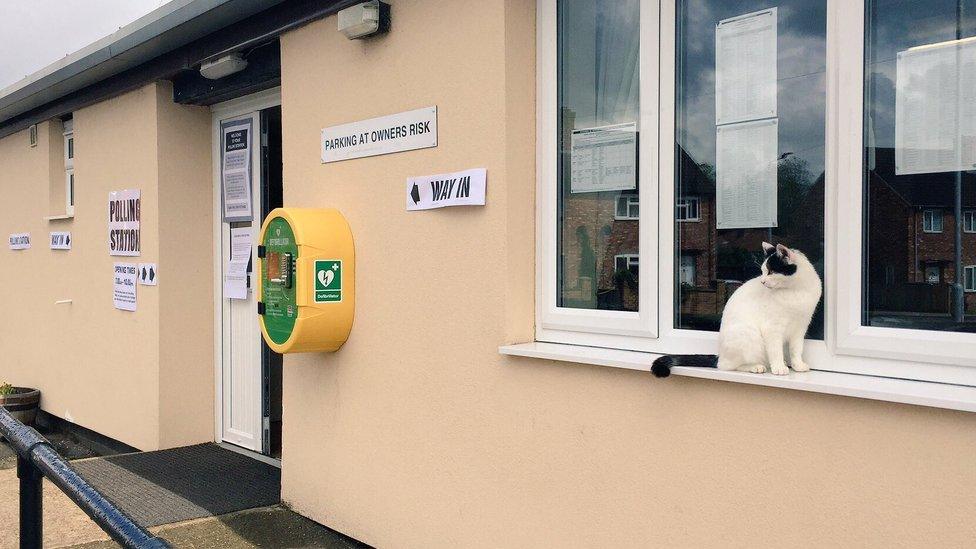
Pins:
x: 124, y: 215
x: 235, y: 169
x: 125, y: 277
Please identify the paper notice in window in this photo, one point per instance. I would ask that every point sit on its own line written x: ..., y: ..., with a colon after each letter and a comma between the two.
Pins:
x: 745, y: 67
x: 746, y: 174
x: 604, y: 158
x: 235, y: 170
x: 935, y: 108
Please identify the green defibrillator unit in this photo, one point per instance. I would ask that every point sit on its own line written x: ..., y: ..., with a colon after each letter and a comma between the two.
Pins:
x: 306, y: 287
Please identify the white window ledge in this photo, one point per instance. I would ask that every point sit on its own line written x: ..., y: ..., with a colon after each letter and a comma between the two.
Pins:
x: 58, y: 217
x: 921, y: 393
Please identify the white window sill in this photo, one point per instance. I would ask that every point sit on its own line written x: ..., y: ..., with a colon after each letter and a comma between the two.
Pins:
x: 936, y: 395
x: 58, y: 217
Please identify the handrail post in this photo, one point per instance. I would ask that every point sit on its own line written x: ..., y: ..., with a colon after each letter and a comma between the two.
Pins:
x: 31, y: 504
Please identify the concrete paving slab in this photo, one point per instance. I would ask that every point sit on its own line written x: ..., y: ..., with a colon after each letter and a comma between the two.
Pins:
x: 64, y: 523
x: 273, y: 526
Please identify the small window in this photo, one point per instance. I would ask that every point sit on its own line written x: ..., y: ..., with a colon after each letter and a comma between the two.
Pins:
x: 32, y: 135
x: 686, y: 209
x: 932, y: 221
x: 970, y: 278
x: 628, y: 207
x: 933, y: 274
x: 69, y: 167
x: 969, y: 221
x: 627, y: 262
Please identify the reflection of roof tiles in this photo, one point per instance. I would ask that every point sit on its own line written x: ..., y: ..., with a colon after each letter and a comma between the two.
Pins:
x: 924, y: 189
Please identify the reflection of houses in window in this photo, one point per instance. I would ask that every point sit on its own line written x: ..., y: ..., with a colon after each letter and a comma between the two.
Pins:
x: 628, y: 207
x: 686, y: 209
x: 627, y: 262
x: 970, y: 278
x: 686, y: 270
x: 912, y: 265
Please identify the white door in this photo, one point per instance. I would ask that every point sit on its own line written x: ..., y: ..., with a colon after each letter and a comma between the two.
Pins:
x: 241, y: 389
x: 686, y: 272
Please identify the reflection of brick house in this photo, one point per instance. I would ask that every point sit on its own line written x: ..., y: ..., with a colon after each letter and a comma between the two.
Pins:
x: 912, y: 234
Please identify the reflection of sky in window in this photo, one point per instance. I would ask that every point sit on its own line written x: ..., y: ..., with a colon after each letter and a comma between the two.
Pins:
x: 897, y: 26
x: 801, y: 67
x: 599, y: 42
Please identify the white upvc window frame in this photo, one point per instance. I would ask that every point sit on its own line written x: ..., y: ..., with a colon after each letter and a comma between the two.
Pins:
x: 969, y: 221
x: 594, y: 327
x: 69, y: 166
x: 969, y: 278
x: 632, y: 260
x: 849, y: 347
x: 686, y: 202
x: 935, y: 214
x: 629, y: 200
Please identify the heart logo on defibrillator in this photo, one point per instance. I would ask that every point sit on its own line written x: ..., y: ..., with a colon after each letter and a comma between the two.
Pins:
x: 325, y: 277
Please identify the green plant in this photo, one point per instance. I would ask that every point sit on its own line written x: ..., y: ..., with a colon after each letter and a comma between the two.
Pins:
x: 6, y: 389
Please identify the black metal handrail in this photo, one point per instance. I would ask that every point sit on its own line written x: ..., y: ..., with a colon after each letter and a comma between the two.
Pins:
x: 36, y: 459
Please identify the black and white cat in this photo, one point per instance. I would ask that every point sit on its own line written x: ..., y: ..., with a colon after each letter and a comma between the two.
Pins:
x: 764, y: 315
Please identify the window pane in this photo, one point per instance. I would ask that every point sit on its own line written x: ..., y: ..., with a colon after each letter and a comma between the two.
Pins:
x: 758, y: 158
x: 920, y: 61
x: 598, y: 53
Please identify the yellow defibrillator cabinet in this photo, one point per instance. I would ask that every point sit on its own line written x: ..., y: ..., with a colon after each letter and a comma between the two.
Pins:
x: 307, y: 279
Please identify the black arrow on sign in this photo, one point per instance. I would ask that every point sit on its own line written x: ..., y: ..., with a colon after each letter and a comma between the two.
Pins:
x: 144, y: 274
x: 152, y: 274
x: 415, y: 194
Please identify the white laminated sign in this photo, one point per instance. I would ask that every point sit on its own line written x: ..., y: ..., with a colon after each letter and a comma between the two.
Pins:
x: 935, y: 108
x: 604, y: 158
x: 405, y: 131
x: 235, y: 170
x: 746, y: 178
x: 745, y: 67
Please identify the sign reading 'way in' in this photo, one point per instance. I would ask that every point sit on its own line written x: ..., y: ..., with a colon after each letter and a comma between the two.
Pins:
x: 403, y: 131
x: 465, y: 188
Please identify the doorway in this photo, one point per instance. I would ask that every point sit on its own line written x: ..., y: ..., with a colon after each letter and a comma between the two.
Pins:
x: 248, y: 185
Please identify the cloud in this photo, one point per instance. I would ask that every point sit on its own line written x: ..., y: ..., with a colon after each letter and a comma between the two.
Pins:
x: 36, y: 33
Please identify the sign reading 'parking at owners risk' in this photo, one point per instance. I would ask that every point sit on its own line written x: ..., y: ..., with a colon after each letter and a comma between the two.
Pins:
x: 403, y: 131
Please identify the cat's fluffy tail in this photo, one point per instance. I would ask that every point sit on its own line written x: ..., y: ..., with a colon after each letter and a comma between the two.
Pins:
x: 662, y: 366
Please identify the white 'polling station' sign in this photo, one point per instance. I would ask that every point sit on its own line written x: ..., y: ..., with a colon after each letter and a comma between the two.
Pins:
x: 405, y: 131
x: 20, y: 241
x: 465, y: 188
x: 124, y: 216
x: 60, y: 240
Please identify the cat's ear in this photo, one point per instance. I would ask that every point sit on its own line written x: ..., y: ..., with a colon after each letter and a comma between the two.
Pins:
x: 768, y: 248
x: 783, y: 251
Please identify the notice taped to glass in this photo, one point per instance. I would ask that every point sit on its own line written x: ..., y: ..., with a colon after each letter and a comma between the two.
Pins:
x: 746, y: 178
x: 235, y: 169
x: 124, y: 215
x: 935, y: 108
x: 745, y: 67
x: 604, y: 158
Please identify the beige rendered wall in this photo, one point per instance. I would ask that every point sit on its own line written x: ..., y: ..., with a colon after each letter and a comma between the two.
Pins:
x: 97, y: 366
x: 417, y: 433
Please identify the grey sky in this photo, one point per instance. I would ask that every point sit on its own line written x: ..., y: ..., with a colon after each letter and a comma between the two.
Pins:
x: 35, y: 33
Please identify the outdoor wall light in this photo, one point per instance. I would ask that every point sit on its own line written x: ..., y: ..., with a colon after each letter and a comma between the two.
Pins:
x: 364, y: 19
x: 222, y: 66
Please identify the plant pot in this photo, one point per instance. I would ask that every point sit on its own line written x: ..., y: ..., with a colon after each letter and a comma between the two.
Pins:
x: 22, y: 404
